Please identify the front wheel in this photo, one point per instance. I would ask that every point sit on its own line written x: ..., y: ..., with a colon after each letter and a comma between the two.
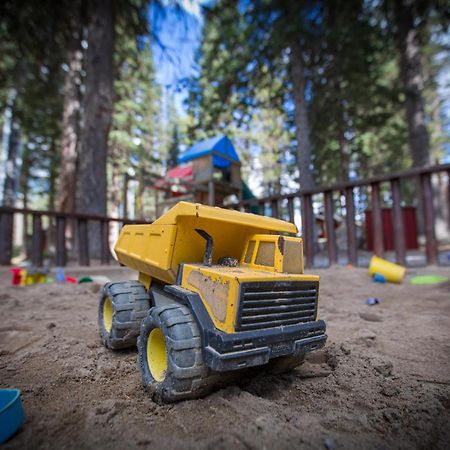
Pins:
x: 170, y: 355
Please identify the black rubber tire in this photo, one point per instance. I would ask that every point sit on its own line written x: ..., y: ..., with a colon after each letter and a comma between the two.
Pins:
x: 187, y: 376
x: 130, y: 303
x: 284, y: 364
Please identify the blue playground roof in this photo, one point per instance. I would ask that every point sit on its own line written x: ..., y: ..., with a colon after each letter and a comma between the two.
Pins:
x: 220, y: 145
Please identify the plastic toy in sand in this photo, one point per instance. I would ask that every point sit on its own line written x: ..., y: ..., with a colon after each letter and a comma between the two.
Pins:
x: 428, y: 279
x: 26, y: 275
x: 393, y: 273
x: 378, y: 278
x: 11, y: 413
x: 372, y: 301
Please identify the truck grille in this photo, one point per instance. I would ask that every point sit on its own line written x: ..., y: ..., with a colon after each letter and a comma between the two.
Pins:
x: 271, y: 304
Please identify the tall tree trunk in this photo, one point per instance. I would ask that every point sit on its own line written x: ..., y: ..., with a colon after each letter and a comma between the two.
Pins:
x: 409, y: 48
x: 11, y: 170
x: 115, y: 188
x: 71, y: 108
x: 139, y: 203
x: 92, y: 182
x: 8, y: 117
x: 302, y: 132
x: 91, y: 189
x: 53, y: 174
x: 24, y: 177
x: 344, y: 157
x: 115, y: 193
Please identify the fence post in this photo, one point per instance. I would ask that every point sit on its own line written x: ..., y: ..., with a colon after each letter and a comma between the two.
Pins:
x: 274, y: 208
x: 291, y: 212
x: 428, y: 215
x: 377, y: 221
x: 448, y: 198
x: 329, y: 223
x: 261, y: 208
x: 352, y: 249
x: 104, y: 233
x: 308, y: 229
x: 37, y: 242
x: 6, y: 237
x: 61, y: 251
x: 83, y: 242
x: 399, y: 228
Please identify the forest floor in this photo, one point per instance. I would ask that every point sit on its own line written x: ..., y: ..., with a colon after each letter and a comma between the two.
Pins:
x: 382, y: 381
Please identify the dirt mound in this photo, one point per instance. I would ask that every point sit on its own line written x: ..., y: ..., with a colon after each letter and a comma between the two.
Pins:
x: 382, y: 381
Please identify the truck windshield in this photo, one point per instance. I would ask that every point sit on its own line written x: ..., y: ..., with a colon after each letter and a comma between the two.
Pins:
x: 266, y: 254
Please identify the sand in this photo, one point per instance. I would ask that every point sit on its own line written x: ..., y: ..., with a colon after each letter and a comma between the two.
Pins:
x: 382, y: 381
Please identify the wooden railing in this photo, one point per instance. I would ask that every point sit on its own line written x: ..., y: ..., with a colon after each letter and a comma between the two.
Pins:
x: 336, y: 198
x: 58, y: 222
x: 284, y: 207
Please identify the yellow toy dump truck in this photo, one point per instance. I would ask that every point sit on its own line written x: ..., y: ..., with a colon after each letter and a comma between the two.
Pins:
x: 218, y: 291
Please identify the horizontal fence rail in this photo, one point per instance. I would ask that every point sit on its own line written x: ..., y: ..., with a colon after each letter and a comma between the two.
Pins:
x: 285, y: 206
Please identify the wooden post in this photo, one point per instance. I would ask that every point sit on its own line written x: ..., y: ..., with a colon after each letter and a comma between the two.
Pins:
x: 211, y: 193
x: 6, y: 237
x: 274, y: 208
x: 352, y: 249
x: 261, y: 208
x: 377, y: 221
x: 104, y: 245
x: 308, y: 229
x: 428, y: 215
x: 37, y: 242
x: 329, y: 223
x: 61, y: 251
x: 398, y: 225
x: 125, y: 196
x: 291, y: 211
x: 83, y: 242
x: 448, y: 198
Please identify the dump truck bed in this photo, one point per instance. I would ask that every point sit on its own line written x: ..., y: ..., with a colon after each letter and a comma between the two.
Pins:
x: 157, y: 249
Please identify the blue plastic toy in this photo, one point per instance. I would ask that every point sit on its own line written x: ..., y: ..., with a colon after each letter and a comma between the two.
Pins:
x: 378, y: 278
x: 11, y: 413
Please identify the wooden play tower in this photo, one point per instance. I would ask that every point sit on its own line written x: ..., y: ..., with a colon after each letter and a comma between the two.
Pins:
x: 209, y: 172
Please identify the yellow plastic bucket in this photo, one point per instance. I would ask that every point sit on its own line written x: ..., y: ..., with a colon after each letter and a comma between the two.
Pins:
x: 392, y: 272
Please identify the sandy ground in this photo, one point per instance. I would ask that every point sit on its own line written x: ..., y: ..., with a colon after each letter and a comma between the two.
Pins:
x: 383, y: 380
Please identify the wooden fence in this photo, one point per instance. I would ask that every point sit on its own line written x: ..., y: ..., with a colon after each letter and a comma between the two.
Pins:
x: 338, y: 197
x: 420, y: 181
x: 58, y: 223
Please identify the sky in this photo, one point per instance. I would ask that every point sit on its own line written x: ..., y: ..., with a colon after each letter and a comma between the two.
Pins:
x: 177, y: 36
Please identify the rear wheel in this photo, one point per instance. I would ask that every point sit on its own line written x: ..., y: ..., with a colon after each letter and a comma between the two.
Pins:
x: 121, y: 309
x: 170, y: 355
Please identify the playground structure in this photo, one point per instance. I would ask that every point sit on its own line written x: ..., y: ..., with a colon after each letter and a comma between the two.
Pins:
x: 209, y: 172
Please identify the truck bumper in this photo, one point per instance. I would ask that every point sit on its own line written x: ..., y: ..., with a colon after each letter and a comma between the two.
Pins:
x: 225, y: 352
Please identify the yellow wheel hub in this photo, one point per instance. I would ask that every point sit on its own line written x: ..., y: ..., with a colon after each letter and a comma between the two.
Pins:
x: 107, y: 314
x: 157, y: 354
